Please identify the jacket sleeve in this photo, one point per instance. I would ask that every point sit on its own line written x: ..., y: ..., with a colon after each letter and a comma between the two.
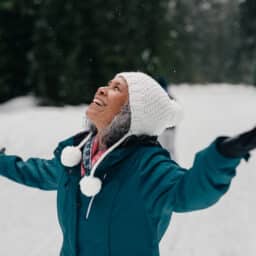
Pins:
x: 34, y: 172
x: 167, y: 187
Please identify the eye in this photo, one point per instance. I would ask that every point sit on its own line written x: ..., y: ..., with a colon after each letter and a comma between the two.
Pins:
x: 116, y: 88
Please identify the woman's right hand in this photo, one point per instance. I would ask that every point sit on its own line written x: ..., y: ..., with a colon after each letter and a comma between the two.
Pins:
x: 2, y: 150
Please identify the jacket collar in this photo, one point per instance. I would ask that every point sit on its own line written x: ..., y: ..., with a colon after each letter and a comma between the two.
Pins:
x: 128, y: 147
x: 113, y: 158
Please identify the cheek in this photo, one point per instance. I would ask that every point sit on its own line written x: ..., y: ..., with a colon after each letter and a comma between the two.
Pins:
x: 117, y: 102
x: 116, y: 107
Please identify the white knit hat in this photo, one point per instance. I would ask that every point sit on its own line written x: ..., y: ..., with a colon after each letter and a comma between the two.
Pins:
x: 152, y: 110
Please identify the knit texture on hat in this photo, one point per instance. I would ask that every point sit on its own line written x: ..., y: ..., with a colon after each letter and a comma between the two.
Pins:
x: 152, y: 111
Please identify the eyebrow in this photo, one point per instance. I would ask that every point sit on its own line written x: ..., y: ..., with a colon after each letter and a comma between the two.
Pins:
x: 117, y: 83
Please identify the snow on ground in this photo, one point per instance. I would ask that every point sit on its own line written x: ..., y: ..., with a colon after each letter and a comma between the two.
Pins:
x: 28, y: 219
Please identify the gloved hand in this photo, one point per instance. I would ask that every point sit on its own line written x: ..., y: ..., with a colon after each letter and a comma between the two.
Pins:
x: 2, y: 150
x: 238, y: 146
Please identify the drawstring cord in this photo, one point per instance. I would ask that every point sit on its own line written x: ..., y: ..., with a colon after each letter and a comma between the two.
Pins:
x: 89, y: 207
x: 97, y: 164
x: 91, y: 202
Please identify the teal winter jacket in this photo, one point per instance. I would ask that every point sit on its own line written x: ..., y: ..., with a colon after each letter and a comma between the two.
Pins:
x: 141, y: 189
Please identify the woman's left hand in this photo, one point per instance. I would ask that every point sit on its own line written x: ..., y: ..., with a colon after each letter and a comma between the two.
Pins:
x: 238, y: 146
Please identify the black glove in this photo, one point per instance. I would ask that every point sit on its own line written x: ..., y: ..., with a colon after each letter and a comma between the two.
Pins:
x: 238, y: 146
x: 2, y: 150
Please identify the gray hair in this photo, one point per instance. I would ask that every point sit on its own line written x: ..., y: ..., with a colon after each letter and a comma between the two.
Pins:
x: 119, y: 126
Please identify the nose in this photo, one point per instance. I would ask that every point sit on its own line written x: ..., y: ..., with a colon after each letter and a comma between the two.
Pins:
x: 102, y: 90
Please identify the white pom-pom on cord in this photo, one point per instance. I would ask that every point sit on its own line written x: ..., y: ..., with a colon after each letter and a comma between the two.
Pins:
x: 71, y: 156
x: 90, y: 185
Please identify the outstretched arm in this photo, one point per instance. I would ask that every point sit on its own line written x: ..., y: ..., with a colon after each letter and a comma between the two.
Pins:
x: 168, y: 187
x: 34, y: 172
x: 213, y: 171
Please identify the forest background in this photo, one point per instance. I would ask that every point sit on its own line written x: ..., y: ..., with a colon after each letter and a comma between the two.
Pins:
x: 61, y: 51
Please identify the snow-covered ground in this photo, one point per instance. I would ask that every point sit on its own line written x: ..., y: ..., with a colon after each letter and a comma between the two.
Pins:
x: 28, y: 220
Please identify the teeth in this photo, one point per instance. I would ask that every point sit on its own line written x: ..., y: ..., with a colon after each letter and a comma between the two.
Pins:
x: 98, y: 102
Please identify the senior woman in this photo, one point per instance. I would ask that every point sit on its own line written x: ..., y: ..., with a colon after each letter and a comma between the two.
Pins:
x: 117, y: 187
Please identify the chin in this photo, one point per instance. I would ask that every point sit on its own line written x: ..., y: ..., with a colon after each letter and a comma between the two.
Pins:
x: 90, y: 123
x: 92, y: 115
x: 89, y: 114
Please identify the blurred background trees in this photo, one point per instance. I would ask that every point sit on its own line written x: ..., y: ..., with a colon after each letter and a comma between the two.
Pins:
x: 16, y: 26
x: 63, y: 50
x: 248, y: 39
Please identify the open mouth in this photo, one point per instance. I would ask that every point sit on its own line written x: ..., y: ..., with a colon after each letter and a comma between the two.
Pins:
x: 98, y: 102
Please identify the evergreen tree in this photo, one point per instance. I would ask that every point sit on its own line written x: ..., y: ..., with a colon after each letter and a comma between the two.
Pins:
x: 201, y: 33
x: 80, y: 45
x: 248, y: 33
x: 16, y: 22
x: 63, y: 50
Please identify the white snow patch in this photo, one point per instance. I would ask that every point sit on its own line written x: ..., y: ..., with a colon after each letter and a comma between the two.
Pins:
x: 28, y: 219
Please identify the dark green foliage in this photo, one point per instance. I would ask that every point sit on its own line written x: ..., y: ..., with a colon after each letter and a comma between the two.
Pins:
x: 248, y: 23
x: 15, y: 43
x: 81, y: 45
x: 248, y: 33
x: 205, y: 34
x: 63, y: 50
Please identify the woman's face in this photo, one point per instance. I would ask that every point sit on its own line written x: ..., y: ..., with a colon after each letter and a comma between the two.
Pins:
x: 108, y: 102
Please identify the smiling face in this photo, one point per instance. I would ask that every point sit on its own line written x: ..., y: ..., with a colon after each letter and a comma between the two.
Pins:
x: 108, y: 102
